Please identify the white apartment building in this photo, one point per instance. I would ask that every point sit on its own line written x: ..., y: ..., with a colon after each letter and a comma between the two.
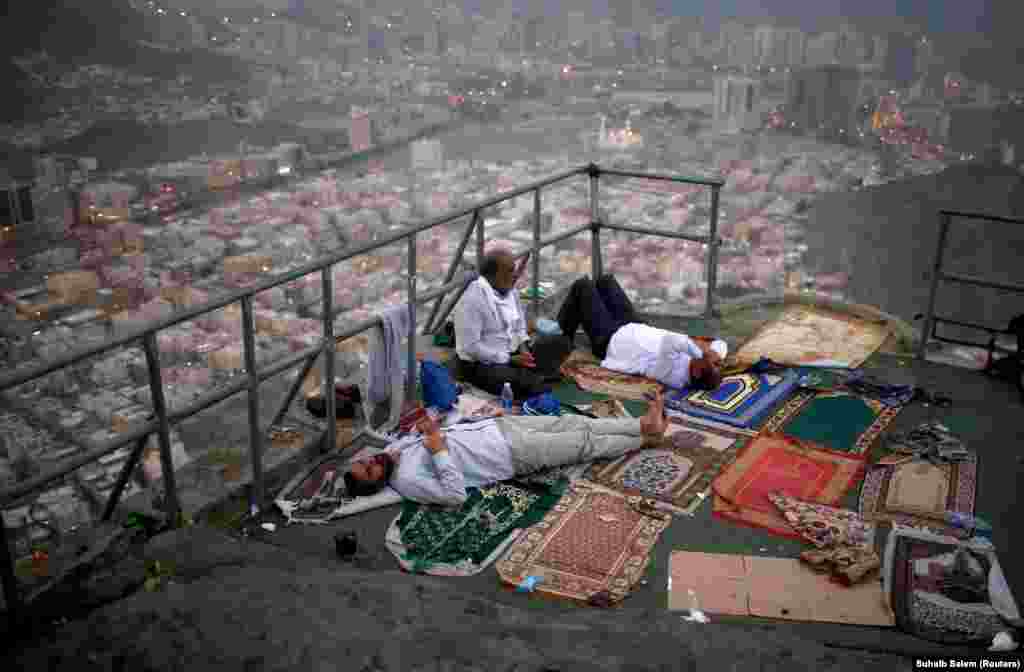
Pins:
x: 737, y: 104
x: 779, y: 47
x: 577, y: 29
x: 822, y: 49
x: 737, y: 44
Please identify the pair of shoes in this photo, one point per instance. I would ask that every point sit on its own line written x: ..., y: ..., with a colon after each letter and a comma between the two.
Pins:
x: 848, y: 565
x: 345, y: 403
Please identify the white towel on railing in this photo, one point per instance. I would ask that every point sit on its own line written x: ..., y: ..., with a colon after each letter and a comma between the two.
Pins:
x: 386, y: 359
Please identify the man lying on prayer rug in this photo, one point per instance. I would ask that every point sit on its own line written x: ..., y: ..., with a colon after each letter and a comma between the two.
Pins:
x: 438, y: 465
x: 618, y: 336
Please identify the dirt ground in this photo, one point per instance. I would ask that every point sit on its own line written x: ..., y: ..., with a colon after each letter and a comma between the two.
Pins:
x: 241, y: 604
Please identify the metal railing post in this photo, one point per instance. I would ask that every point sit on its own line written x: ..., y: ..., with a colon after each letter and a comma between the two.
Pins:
x: 330, y: 347
x: 253, y: 394
x: 479, y: 217
x: 156, y: 388
x: 535, y: 281
x: 410, y: 374
x: 452, y: 269
x: 12, y: 591
x: 287, y: 402
x: 596, y: 269
x: 712, y: 272
x: 122, y: 478
x: 454, y: 301
x: 929, y: 316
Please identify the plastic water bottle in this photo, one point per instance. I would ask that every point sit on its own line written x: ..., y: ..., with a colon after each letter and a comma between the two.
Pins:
x: 506, y: 397
x: 966, y: 521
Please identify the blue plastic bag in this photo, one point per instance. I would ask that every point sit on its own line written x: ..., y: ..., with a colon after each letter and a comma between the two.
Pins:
x: 439, y: 390
x: 542, y: 404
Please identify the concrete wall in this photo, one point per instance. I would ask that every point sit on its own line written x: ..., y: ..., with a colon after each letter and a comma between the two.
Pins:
x: 886, y: 236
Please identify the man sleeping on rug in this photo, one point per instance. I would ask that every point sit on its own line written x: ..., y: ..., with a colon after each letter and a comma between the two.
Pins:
x: 437, y: 466
x: 625, y: 344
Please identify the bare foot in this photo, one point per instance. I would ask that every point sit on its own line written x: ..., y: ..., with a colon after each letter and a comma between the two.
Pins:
x: 654, y: 423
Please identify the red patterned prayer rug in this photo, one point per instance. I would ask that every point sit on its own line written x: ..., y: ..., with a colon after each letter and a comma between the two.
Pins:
x: 773, y: 463
x: 594, y: 542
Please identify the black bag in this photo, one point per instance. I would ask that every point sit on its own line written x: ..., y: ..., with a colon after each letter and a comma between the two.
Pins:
x: 549, y: 352
x: 1012, y: 367
x: 445, y: 337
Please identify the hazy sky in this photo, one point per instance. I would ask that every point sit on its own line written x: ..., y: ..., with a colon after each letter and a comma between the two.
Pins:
x: 936, y: 15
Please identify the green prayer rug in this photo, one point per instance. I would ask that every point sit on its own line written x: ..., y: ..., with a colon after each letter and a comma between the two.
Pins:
x: 836, y: 420
x: 430, y: 539
x: 570, y: 393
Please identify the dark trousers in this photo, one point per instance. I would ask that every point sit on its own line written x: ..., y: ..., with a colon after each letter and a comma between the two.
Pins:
x: 491, y: 378
x: 601, y: 308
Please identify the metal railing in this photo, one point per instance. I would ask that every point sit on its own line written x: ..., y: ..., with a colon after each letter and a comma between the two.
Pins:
x: 250, y: 382
x: 931, y: 322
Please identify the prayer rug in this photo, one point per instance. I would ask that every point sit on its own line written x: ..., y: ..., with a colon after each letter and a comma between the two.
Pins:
x: 678, y: 474
x: 594, y: 541
x: 589, y: 375
x: 741, y: 400
x: 776, y: 464
x: 742, y: 585
x: 680, y: 420
x: 804, y: 335
x: 550, y: 477
x: 944, y: 596
x: 836, y: 420
x: 825, y: 526
x: 318, y: 495
x: 463, y: 542
x: 917, y: 494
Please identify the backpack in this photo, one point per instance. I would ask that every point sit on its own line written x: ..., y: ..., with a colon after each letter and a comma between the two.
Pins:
x: 1010, y: 367
x: 439, y: 390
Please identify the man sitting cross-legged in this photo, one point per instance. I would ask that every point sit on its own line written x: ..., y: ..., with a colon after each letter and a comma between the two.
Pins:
x: 491, y: 341
x: 626, y: 345
x: 437, y: 466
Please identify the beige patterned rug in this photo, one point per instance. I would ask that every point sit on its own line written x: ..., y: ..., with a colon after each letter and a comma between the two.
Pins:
x: 804, y: 335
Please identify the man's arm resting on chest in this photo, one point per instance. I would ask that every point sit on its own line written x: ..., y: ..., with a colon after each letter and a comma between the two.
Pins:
x: 453, y: 485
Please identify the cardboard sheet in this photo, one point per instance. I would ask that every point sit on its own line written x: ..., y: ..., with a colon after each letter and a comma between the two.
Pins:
x: 741, y: 585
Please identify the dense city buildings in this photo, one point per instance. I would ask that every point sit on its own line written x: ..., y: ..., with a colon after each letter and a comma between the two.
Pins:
x: 823, y: 100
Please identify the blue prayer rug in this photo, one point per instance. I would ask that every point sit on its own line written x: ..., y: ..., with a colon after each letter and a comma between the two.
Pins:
x: 742, y: 399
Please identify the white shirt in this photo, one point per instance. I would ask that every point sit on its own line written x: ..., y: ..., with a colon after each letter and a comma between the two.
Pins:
x: 487, y: 327
x: 656, y: 353
x: 478, y: 454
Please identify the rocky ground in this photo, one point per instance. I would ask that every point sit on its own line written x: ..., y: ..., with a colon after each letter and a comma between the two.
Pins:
x: 229, y: 603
